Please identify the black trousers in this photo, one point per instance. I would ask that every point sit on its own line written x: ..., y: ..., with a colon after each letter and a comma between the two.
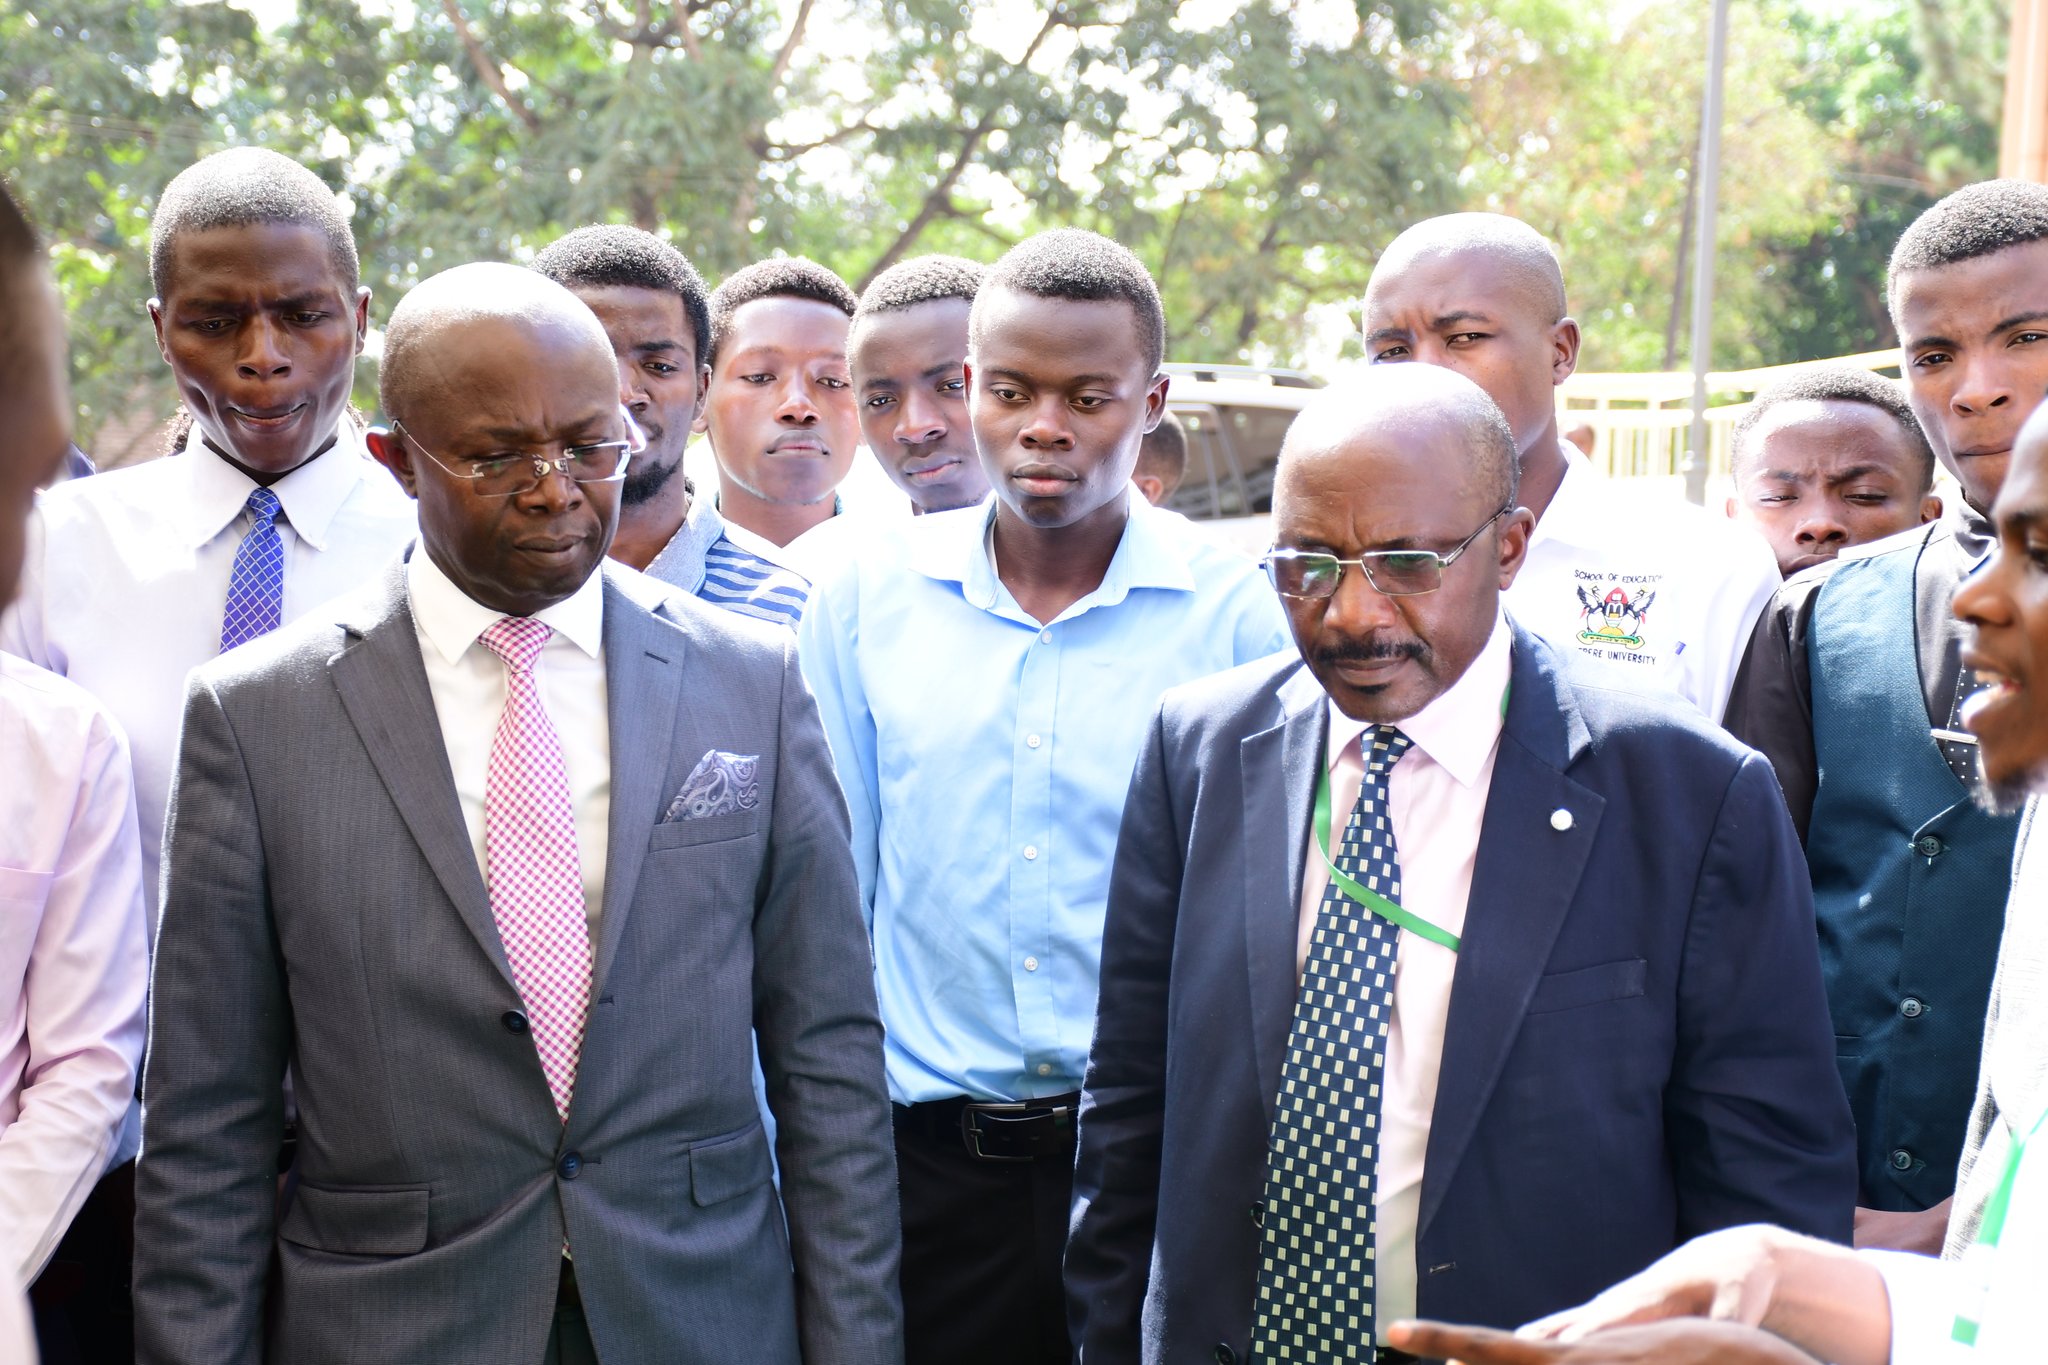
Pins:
x: 982, y: 1242
x: 81, y: 1301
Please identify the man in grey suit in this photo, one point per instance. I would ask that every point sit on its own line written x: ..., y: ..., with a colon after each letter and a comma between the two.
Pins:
x: 503, y: 860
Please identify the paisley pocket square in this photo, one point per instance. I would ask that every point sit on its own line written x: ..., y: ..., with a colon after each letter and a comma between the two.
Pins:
x: 721, y: 784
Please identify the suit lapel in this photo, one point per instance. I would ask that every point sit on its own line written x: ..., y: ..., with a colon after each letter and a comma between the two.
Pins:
x: 1523, y: 883
x: 383, y: 687
x: 643, y: 681
x: 1279, y: 768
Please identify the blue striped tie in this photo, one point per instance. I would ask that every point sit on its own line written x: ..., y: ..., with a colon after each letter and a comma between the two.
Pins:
x: 256, y: 587
x: 1316, y: 1257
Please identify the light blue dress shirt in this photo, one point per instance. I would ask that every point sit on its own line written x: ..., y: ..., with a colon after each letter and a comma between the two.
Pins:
x: 985, y: 760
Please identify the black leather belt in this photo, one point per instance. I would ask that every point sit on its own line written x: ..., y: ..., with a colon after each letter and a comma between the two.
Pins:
x: 1027, y: 1130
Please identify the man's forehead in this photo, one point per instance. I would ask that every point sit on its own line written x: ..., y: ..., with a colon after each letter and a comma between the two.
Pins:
x: 1468, y: 279
x: 253, y: 259
x: 1978, y: 291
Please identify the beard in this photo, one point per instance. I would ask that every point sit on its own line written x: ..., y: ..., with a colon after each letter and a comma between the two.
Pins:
x: 2005, y: 798
x: 644, y: 484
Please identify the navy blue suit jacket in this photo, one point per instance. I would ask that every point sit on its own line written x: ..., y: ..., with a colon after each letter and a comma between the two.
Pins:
x: 1638, y: 1048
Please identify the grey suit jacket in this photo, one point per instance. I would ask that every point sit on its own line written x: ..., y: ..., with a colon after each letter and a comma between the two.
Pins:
x: 323, y: 910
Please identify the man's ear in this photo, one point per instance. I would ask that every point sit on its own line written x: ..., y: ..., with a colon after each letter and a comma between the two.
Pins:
x: 1155, y: 401
x: 1930, y: 508
x: 703, y: 392
x: 1564, y: 350
x: 156, y: 321
x: 1513, y: 539
x: 362, y: 316
x: 1732, y: 509
x: 1151, y: 485
x: 390, y: 450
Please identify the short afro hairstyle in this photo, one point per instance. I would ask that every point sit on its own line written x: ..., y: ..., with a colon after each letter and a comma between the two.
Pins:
x: 778, y: 277
x: 615, y: 254
x: 1976, y: 220
x: 1073, y: 263
x: 922, y: 279
x: 242, y: 187
x: 1839, y: 384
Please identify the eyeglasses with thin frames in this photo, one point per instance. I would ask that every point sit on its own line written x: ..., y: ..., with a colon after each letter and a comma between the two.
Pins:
x: 1392, y: 573
x: 510, y: 475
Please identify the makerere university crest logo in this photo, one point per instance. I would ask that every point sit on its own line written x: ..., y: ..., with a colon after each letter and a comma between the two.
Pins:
x: 1616, y: 619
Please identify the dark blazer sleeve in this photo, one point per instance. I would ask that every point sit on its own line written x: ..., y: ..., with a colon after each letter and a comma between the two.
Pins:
x: 820, y: 1036
x: 1759, y: 1127
x: 1116, y: 1179
x: 213, y: 1090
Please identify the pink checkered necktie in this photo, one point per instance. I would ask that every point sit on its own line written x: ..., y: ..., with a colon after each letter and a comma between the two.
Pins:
x: 536, y: 877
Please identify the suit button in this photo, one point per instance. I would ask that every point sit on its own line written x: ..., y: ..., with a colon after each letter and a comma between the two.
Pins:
x: 570, y: 1166
x: 1224, y: 1355
x: 1929, y: 846
x: 1259, y: 1214
x: 1902, y: 1160
x: 513, y: 1020
x: 1911, y: 1008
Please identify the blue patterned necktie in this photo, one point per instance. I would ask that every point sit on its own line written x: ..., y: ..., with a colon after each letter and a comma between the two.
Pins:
x: 256, y: 587
x: 1316, y: 1269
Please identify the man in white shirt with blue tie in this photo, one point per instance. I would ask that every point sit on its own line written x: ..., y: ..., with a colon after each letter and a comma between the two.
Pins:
x: 271, y: 508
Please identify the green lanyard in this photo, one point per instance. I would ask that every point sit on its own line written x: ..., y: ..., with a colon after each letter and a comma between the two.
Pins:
x: 1365, y: 896
x: 1981, y: 1252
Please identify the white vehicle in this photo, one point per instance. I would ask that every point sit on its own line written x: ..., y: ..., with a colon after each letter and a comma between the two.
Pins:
x: 1236, y: 416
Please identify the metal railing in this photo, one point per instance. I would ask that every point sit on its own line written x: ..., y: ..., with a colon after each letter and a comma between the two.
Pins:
x: 1640, y: 422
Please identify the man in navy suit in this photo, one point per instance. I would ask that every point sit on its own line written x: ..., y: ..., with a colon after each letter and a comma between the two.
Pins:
x: 1442, y: 972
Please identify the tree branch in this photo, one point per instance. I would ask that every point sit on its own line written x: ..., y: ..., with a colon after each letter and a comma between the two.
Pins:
x: 790, y: 44
x: 789, y: 151
x: 486, y: 68
x: 941, y: 197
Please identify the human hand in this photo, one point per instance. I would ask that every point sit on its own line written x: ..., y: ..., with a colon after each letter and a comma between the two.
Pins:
x: 1680, y: 1341
x: 1923, y: 1232
x: 1727, y: 1275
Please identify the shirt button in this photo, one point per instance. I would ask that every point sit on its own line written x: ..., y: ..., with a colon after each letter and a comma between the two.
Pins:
x: 1030, y: 852
x: 1929, y: 846
x: 1259, y: 1214
x: 1045, y: 637
x: 1912, y: 1008
x: 1045, y: 1068
x: 570, y: 1166
x: 1902, y: 1160
x: 1030, y: 964
x: 1224, y: 1355
x: 1032, y: 741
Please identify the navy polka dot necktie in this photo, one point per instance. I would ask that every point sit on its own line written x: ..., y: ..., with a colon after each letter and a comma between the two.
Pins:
x: 1316, y: 1256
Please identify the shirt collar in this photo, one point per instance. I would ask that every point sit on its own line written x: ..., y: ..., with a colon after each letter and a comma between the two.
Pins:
x: 683, y: 557
x: 955, y: 547
x: 310, y: 494
x: 1570, y: 518
x: 1458, y: 729
x: 452, y: 620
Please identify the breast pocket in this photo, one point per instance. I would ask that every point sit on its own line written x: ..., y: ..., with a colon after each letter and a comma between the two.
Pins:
x: 710, y: 829
x: 1596, y: 985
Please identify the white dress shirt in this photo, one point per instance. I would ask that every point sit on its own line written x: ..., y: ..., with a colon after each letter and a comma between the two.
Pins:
x: 469, y: 686
x: 1437, y: 800
x: 1646, y: 581
x: 127, y: 577
x: 2000, y: 1289
x: 73, y: 960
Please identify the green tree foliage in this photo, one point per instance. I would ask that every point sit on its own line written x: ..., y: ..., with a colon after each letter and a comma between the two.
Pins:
x: 1256, y: 153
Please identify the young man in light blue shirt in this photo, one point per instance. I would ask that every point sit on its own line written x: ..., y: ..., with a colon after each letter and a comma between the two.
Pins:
x: 986, y: 677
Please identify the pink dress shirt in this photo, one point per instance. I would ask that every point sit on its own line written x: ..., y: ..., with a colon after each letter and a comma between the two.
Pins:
x: 1437, y: 792
x: 73, y: 960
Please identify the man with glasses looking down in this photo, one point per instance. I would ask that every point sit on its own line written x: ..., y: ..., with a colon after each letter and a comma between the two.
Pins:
x: 1451, y: 971
x: 510, y: 857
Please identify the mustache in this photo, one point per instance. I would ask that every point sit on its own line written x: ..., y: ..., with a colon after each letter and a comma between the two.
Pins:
x: 1371, y: 651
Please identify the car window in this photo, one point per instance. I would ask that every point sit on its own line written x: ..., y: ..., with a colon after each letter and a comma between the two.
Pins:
x: 1257, y: 433
x: 1211, y: 487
